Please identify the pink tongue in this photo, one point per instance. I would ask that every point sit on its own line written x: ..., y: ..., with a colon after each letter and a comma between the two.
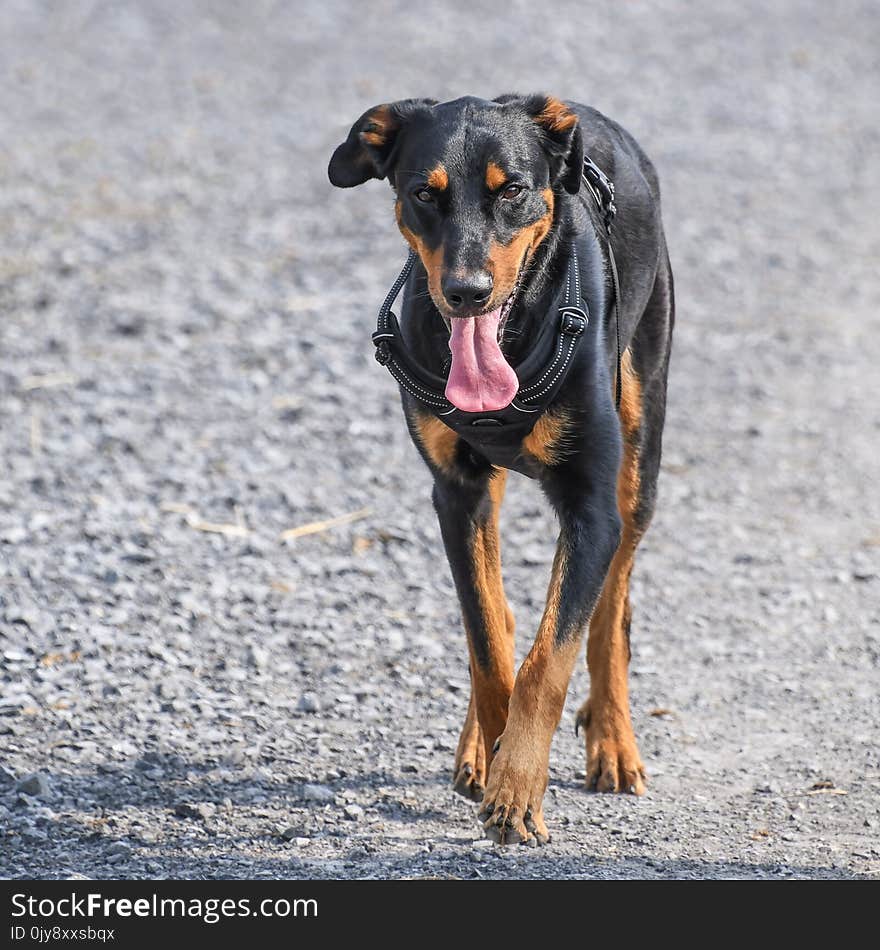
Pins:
x: 481, y: 379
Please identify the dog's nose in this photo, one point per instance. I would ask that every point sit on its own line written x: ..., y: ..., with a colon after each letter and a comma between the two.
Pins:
x: 467, y: 292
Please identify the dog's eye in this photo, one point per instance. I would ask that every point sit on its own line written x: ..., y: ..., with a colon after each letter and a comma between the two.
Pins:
x: 424, y: 196
x: 511, y: 192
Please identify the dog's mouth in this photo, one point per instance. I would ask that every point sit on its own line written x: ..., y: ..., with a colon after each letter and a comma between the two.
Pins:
x: 480, y: 378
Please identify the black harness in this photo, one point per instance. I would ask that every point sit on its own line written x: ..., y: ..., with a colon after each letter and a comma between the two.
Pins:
x: 498, y: 435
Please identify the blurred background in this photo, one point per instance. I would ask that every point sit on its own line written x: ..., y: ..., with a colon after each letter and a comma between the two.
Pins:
x: 200, y: 676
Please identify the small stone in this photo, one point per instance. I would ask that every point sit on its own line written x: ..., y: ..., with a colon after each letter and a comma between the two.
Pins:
x: 318, y: 793
x: 200, y: 810
x: 353, y: 812
x: 396, y: 640
x: 119, y: 849
x: 258, y: 657
x: 309, y: 703
x: 36, y: 785
x: 7, y: 779
x: 14, y: 702
x: 127, y: 323
x: 290, y: 833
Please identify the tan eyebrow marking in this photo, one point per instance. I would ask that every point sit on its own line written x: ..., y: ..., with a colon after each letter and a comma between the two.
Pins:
x: 438, y: 179
x: 495, y: 176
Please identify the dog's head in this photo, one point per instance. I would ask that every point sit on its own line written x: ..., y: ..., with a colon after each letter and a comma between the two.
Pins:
x: 476, y: 184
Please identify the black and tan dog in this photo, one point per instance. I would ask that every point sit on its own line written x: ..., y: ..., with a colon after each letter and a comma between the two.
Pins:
x: 491, y: 197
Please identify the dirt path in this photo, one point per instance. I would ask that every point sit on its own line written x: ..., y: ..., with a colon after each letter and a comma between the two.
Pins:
x: 185, y: 372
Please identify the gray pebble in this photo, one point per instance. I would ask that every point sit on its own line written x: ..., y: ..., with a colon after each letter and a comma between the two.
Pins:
x: 200, y: 810
x: 309, y: 703
x: 37, y: 785
x: 318, y: 793
x: 258, y: 657
x: 119, y: 849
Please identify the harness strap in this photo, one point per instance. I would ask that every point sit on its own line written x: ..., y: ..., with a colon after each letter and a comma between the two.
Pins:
x: 539, y: 377
x: 616, y: 281
x: 602, y: 189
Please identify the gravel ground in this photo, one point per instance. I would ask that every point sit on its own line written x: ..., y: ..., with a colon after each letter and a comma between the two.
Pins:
x: 186, y: 372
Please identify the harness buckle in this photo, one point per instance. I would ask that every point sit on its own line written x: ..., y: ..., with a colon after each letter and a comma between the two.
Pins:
x: 383, y: 350
x: 602, y: 188
x: 574, y: 321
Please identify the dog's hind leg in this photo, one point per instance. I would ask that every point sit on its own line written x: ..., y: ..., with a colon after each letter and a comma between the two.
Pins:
x: 613, y: 760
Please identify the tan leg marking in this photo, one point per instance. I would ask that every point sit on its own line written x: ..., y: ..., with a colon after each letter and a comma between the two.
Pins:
x: 547, y: 441
x: 491, y: 686
x: 613, y: 761
x: 438, y: 440
x: 469, y: 774
x: 512, y: 803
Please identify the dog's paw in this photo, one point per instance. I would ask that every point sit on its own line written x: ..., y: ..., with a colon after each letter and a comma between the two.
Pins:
x: 469, y: 774
x: 511, y: 810
x: 613, y: 761
x: 469, y: 782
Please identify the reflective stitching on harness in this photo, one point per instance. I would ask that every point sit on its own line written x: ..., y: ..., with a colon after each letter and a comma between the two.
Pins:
x: 425, y: 394
x: 552, y: 382
x: 548, y: 371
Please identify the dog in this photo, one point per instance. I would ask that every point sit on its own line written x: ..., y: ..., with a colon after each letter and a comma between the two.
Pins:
x: 534, y: 336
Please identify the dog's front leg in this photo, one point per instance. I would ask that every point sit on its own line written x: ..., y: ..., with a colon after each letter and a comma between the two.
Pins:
x: 590, y: 532
x: 468, y: 515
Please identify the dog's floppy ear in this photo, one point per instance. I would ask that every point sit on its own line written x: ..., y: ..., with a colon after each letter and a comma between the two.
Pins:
x: 561, y: 135
x: 370, y: 148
